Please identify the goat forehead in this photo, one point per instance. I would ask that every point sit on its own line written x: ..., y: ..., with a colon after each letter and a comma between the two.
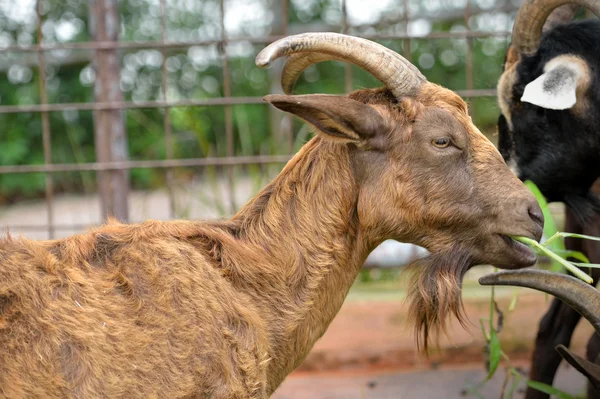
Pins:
x: 434, y: 95
x: 441, y: 118
x: 452, y: 119
x: 435, y: 120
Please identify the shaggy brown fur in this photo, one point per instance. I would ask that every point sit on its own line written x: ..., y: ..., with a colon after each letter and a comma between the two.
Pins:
x: 227, y: 309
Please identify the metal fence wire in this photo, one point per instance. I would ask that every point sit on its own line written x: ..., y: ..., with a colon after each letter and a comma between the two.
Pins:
x: 112, y: 157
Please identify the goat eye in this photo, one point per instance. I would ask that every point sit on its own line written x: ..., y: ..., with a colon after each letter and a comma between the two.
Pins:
x: 441, y: 142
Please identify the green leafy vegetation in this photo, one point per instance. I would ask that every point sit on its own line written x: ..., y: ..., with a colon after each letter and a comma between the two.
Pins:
x: 554, y: 248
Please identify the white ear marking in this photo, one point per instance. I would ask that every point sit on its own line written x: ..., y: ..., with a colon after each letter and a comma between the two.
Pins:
x: 556, y: 88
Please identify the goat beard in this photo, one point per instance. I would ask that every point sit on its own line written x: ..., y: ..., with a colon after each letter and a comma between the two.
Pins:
x: 434, y: 294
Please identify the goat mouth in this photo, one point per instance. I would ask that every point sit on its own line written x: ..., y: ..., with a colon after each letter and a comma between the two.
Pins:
x: 520, y: 251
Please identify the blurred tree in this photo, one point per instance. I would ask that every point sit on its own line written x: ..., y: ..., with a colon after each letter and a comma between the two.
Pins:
x: 196, y: 73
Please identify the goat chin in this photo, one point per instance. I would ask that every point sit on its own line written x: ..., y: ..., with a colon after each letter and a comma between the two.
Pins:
x: 434, y: 294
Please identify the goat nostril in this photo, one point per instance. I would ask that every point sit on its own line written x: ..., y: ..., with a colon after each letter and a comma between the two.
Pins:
x: 535, y: 213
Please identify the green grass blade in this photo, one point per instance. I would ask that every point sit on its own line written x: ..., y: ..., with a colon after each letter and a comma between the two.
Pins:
x: 550, y: 240
x: 568, y: 265
x: 474, y: 390
x: 573, y: 254
x: 514, y: 299
x: 549, y: 225
x: 555, y: 241
x: 516, y: 380
x: 495, y: 353
x: 539, y: 386
x: 592, y: 265
x: 485, y: 334
x: 583, y: 236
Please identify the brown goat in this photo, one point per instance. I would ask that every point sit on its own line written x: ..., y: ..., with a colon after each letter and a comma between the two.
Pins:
x: 228, y: 309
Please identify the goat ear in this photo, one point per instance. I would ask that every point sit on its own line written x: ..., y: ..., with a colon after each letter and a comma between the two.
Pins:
x: 558, y: 86
x: 336, y: 117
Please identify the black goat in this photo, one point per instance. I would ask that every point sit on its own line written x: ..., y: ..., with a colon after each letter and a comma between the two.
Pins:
x: 549, y: 94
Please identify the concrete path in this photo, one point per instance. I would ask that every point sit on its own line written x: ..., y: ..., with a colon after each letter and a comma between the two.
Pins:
x: 430, y: 384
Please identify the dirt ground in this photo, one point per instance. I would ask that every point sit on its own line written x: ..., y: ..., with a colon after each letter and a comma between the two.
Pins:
x: 369, y: 352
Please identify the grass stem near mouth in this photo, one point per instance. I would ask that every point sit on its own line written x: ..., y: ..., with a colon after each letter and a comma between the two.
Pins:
x: 543, y: 250
x: 560, y: 234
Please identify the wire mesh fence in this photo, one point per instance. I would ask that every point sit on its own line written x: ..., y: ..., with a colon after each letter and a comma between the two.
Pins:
x: 459, y: 36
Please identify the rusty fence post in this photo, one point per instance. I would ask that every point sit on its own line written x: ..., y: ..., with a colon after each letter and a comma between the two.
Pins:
x: 280, y: 122
x: 109, y: 125
x: 46, y: 131
x: 228, y: 111
x: 347, y: 65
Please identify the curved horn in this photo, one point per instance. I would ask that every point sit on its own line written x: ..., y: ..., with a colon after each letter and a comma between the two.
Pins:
x: 527, y: 30
x: 582, y: 297
x: 395, y: 72
x: 296, y: 64
x: 560, y: 15
x: 584, y: 366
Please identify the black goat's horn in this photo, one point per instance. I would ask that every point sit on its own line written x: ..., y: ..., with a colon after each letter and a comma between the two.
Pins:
x: 560, y: 15
x: 582, y: 297
x: 394, y: 71
x: 527, y: 30
x: 584, y: 366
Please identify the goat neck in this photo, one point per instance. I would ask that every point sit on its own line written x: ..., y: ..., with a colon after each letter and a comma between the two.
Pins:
x: 305, y: 227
